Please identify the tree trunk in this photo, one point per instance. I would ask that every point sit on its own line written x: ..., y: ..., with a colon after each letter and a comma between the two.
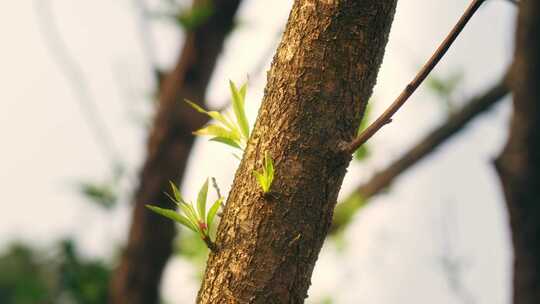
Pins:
x: 317, y: 90
x: 519, y: 164
x: 137, y: 278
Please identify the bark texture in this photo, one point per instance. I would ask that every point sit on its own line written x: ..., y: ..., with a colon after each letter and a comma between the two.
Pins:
x: 519, y: 164
x: 138, y: 276
x: 345, y: 211
x: 317, y: 89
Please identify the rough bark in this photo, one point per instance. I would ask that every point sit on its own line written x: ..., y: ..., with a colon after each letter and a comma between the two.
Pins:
x: 317, y: 89
x: 519, y: 163
x: 137, y: 278
x: 345, y: 211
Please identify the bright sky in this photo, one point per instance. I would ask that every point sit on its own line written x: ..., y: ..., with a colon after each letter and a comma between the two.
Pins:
x: 393, y: 249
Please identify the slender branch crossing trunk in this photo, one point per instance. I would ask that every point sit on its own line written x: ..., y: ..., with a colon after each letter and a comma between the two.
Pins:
x: 137, y: 278
x: 519, y: 164
x: 318, y: 87
x: 344, y: 212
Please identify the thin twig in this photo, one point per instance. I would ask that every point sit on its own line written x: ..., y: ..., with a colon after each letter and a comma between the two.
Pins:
x: 386, y: 117
x: 380, y: 181
x: 215, y: 185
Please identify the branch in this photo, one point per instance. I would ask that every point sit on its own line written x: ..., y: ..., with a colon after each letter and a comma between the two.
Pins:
x: 386, y: 117
x: 345, y: 211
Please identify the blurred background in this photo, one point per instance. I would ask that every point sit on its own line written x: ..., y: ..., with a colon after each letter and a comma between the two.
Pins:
x: 80, y: 82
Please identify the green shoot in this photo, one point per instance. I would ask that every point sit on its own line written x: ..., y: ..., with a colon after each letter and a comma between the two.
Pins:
x: 195, y: 219
x: 234, y: 133
x: 265, y: 177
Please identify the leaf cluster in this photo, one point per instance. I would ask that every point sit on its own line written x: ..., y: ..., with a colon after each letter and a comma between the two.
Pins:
x: 232, y: 132
x: 228, y: 130
x: 192, y: 217
x: 266, y: 177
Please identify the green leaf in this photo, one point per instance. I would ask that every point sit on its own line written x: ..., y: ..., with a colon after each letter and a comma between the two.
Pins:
x: 176, y: 193
x: 173, y: 215
x: 262, y: 180
x: 217, y: 116
x: 238, y: 107
x: 218, y: 131
x: 269, y: 164
x: 212, y: 212
x: 227, y: 141
x: 188, y: 210
x: 265, y: 177
x: 243, y: 91
x: 201, y: 201
x: 213, y: 114
x: 196, y: 106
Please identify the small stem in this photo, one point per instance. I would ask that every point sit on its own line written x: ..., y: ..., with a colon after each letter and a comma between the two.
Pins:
x: 215, y: 185
x: 386, y: 117
x: 211, y: 245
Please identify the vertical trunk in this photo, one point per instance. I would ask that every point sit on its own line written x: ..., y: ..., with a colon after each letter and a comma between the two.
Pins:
x: 318, y: 86
x: 137, y: 278
x: 519, y: 164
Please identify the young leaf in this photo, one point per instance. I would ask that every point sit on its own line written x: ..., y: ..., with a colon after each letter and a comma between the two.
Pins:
x: 213, y: 211
x: 196, y: 106
x: 190, y: 214
x: 201, y: 201
x: 267, y: 176
x: 213, y: 114
x: 227, y: 141
x: 243, y: 91
x: 262, y: 180
x: 173, y: 215
x: 238, y: 107
x: 269, y: 164
x: 176, y: 192
x: 218, y: 131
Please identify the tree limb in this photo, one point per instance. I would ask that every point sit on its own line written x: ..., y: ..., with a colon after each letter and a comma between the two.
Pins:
x: 386, y: 117
x: 376, y: 184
